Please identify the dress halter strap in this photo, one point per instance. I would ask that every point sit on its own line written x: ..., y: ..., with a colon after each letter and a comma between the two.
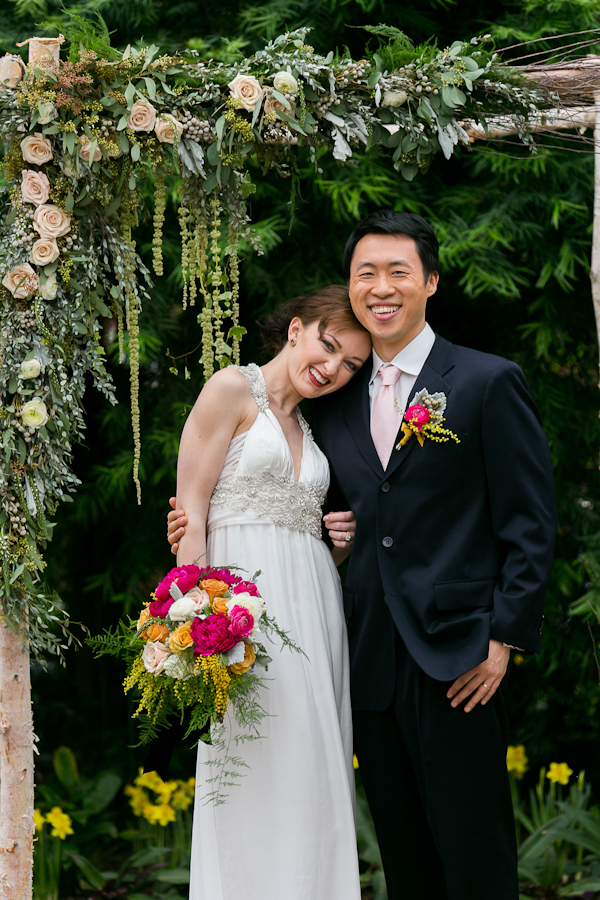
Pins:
x: 257, y: 385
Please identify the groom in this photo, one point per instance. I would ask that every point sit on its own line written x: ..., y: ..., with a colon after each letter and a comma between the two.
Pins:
x: 447, y: 575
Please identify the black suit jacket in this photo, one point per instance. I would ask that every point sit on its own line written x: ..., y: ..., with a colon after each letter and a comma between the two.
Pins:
x: 454, y: 542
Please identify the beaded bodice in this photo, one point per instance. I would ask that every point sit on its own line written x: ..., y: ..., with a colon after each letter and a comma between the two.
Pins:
x: 258, y: 473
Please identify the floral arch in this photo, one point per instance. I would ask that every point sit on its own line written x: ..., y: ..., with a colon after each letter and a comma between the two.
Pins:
x: 79, y: 133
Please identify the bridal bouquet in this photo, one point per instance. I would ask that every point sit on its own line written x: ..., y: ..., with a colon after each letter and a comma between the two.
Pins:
x: 196, y: 646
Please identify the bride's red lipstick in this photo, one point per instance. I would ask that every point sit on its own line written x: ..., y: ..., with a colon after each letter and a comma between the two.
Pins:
x: 314, y: 380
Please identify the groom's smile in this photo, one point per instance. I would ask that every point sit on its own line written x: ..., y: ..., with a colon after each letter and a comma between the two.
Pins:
x: 388, y: 290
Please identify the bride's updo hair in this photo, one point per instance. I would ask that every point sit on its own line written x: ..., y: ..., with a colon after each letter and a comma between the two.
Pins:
x: 329, y: 306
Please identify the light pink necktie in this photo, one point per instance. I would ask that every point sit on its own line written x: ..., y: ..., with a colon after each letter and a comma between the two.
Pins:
x: 386, y: 417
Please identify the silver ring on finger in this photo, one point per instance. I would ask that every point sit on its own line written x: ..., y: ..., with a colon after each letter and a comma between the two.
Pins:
x: 348, y: 537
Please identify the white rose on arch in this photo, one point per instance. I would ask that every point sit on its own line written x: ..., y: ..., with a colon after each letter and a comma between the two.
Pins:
x: 36, y: 149
x: 285, y: 83
x: 44, y: 252
x: 46, y: 112
x: 34, y: 413
x: 246, y: 90
x: 49, y: 289
x: 142, y: 116
x: 30, y: 368
x: 394, y: 98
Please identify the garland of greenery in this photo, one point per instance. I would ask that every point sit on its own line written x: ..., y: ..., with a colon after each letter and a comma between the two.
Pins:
x: 82, y: 132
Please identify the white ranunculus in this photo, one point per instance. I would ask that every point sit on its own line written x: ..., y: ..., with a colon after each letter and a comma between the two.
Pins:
x: 182, y: 610
x: 49, y: 289
x: 30, y: 368
x: 47, y: 111
x: 285, y: 83
x: 178, y: 666
x: 34, y: 413
x: 394, y: 98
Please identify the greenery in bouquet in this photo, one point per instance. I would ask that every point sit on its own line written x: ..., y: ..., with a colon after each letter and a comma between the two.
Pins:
x: 197, y: 649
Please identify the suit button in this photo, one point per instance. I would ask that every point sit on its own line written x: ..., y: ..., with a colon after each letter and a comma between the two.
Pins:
x: 387, y: 541
x: 385, y: 487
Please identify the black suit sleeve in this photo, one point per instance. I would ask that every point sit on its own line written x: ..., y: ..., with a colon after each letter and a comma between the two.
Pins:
x: 522, y: 504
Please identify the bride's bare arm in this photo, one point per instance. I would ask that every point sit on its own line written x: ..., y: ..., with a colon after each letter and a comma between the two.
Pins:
x: 219, y: 413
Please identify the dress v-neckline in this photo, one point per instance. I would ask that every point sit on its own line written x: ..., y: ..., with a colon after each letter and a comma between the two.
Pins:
x: 265, y: 407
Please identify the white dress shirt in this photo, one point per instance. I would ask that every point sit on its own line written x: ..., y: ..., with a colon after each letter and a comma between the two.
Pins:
x: 410, y: 361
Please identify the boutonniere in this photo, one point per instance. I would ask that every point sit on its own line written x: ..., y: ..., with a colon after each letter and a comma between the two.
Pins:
x: 424, y: 418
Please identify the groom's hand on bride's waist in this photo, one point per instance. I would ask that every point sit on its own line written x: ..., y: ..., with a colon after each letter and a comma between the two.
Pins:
x: 481, y: 683
x: 176, y: 522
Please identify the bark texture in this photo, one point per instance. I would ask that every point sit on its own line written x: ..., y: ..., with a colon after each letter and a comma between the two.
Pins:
x: 16, y: 769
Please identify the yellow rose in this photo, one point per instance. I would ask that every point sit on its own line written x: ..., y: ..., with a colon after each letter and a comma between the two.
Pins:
x: 22, y: 281
x: 181, y: 638
x: 142, y: 116
x: 34, y: 414
x: 35, y: 187
x: 220, y: 605
x: 36, y: 149
x: 246, y: 90
x: 244, y: 665
x: 44, y: 251
x: 166, y: 125
x: 50, y: 221
x: 214, y: 587
x: 12, y: 70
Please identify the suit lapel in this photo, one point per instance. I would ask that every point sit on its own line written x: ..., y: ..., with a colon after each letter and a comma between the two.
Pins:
x: 357, y: 414
x: 438, y: 363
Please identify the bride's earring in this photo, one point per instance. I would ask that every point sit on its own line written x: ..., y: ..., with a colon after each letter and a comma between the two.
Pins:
x: 292, y: 342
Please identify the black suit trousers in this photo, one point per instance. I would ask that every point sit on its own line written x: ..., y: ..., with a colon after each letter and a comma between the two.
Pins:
x: 437, y: 786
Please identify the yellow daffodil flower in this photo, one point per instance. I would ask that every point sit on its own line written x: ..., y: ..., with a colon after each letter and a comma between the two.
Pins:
x: 160, y: 814
x: 516, y: 760
x: 60, y: 822
x: 38, y: 820
x: 559, y: 773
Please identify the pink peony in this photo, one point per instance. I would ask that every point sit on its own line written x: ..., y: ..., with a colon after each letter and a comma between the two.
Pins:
x: 160, y: 608
x: 417, y: 415
x: 212, y: 635
x: 185, y: 577
x: 246, y: 587
x: 241, y: 622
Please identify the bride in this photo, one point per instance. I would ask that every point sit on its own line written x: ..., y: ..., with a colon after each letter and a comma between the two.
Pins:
x: 252, y: 482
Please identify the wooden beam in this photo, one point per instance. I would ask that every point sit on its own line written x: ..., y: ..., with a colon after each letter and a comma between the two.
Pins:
x: 579, y: 117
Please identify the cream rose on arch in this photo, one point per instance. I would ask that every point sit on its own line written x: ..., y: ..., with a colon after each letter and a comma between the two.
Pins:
x: 85, y: 145
x: 44, y: 252
x: 22, y: 281
x: 50, y: 221
x: 165, y: 125
x: 142, y: 116
x: 35, y: 187
x: 36, y: 149
x: 246, y: 90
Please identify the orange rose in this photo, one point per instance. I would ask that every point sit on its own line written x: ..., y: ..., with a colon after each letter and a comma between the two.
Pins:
x: 220, y: 605
x: 241, y: 667
x: 213, y: 587
x: 155, y: 632
x: 181, y: 638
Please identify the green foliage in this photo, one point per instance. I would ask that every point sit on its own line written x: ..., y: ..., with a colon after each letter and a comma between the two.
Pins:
x: 89, y: 31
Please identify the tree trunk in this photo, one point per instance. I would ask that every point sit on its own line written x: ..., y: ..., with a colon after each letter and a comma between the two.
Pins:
x: 16, y: 769
x: 595, y: 269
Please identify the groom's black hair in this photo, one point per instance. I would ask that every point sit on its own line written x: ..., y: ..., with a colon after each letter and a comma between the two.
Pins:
x: 400, y: 224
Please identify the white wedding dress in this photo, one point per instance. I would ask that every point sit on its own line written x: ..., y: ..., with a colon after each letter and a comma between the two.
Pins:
x: 287, y: 831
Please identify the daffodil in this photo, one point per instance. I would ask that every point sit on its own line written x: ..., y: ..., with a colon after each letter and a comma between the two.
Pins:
x: 60, y: 822
x: 516, y: 760
x: 38, y: 820
x: 355, y: 761
x: 160, y: 814
x: 559, y: 773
